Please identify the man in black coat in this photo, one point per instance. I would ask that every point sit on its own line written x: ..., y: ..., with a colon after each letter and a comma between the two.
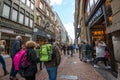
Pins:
x: 16, y: 46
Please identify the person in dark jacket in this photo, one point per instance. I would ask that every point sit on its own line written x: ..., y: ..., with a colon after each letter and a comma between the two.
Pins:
x: 52, y: 66
x: 16, y: 46
x: 31, y: 71
x: 64, y: 49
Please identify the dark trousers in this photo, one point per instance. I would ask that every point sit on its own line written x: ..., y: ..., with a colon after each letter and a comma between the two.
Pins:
x: 2, y: 61
x: 100, y: 59
x: 13, y: 72
x: 40, y: 65
x: 30, y: 78
x: 64, y: 51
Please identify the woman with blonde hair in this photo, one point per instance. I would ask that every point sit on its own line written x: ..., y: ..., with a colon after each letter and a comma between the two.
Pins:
x: 2, y: 61
x: 31, y: 71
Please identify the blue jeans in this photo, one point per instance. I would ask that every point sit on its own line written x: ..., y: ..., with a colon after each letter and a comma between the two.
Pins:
x: 2, y: 61
x: 52, y: 72
x: 13, y: 72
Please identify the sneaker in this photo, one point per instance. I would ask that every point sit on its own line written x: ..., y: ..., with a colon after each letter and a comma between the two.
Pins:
x: 13, y: 78
x: 107, y: 67
x: 96, y: 66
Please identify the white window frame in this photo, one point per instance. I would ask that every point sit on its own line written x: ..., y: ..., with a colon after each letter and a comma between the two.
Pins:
x: 41, y: 5
x: 26, y: 21
x: 21, y: 21
x: 23, y: 1
x: 6, y: 13
x: 32, y: 6
x: 28, y: 3
x: 14, y: 15
x: 31, y: 23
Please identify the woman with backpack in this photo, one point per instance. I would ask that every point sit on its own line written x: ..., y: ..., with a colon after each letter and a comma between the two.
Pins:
x: 31, y: 71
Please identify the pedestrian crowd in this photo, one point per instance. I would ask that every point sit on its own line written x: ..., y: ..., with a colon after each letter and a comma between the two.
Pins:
x: 25, y: 57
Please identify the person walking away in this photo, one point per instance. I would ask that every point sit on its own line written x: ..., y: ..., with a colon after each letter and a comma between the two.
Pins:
x: 64, y: 49
x: 77, y: 48
x: 88, y: 52
x: 52, y: 66
x: 37, y: 50
x: 74, y: 48
x: 2, y: 61
x: 68, y: 49
x: 16, y: 46
x: 71, y: 50
x: 100, y: 51
x: 31, y: 71
x: 83, y: 51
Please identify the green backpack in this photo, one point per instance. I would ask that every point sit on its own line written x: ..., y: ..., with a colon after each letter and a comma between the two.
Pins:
x: 46, y: 52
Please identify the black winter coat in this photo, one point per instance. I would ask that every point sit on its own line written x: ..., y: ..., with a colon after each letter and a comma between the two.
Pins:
x: 32, y: 58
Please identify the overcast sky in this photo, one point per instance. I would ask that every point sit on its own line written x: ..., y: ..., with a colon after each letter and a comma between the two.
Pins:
x: 65, y: 10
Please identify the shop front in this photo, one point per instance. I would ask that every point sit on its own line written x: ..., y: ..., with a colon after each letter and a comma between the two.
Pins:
x: 9, y: 36
x: 39, y: 36
x: 97, y: 23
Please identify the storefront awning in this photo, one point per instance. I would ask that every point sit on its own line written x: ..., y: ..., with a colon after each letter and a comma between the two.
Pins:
x: 44, y: 34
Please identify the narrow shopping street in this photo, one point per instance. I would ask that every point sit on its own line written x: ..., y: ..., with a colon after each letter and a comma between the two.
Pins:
x: 71, y: 68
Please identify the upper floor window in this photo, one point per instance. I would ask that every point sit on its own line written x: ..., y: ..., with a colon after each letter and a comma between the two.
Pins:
x: 6, y: 11
x: 41, y: 5
x: 47, y: 12
x: 28, y: 3
x: 26, y: 20
x: 39, y: 20
x: 32, y: 6
x: 88, y: 10
x: 31, y: 23
x: 21, y: 18
x: 23, y: 1
x: 91, y: 4
x: 95, y: 1
x: 14, y: 15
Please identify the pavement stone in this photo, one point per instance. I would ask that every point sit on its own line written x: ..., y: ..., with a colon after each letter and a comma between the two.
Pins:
x: 71, y: 68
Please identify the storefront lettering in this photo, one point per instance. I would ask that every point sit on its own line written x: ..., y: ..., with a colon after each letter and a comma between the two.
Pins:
x: 96, y: 15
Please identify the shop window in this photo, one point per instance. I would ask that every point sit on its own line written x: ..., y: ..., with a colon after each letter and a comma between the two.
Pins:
x: 28, y: 3
x: 21, y: 18
x: 26, y: 20
x: 14, y: 15
x: 6, y: 11
x: 23, y: 1
x: 31, y: 23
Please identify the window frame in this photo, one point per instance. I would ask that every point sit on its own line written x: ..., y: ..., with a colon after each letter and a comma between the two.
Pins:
x: 9, y: 11
x: 26, y: 21
x: 31, y: 25
x: 23, y: 1
x: 28, y: 4
x: 12, y: 16
x: 23, y: 18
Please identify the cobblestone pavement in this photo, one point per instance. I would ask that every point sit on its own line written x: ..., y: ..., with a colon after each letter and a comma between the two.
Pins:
x: 71, y: 68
